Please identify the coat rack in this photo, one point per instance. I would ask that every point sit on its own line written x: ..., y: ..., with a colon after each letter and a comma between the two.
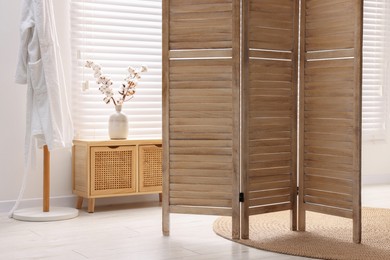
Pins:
x: 45, y: 213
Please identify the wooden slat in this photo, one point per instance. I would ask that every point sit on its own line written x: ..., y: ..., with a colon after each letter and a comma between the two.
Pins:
x: 341, y: 41
x: 327, y: 187
x: 270, y: 200
x: 201, y: 166
x: 257, y: 134
x: 270, y: 149
x: 268, y: 38
x: 329, y: 158
x: 179, y: 93
x: 269, y: 193
x: 329, y: 5
x: 197, y: 100
x: 201, y: 180
x: 201, y: 211
x: 272, y: 6
x: 202, y: 107
x: 201, y: 202
x: 200, y: 53
x: 270, y: 20
x: 200, y: 8
x: 330, y: 63
x: 269, y: 178
x: 330, y: 54
x: 271, y: 208
x: 201, y: 158
x: 200, y: 114
x: 194, y: 2
x: 201, y: 136
x: 327, y: 194
x: 201, y: 121
x: 201, y: 194
x: 269, y: 171
x: 328, y: 173
x: 329, y: 210
x: 203, y: 62
x: 190, y: 187
x: 200, y: 70
x: 269, y: 185
x: 331, y: 166
x: 269, y: 85
x: 224, y: 42
x: 269, y: 164
x: 200, y: 129
x: 178, y: 17
x: 270, y: 54
x: 200, y: 173
x: 203, y: 151
x: 200, y: 84
x: 269, y: 157
x: 200, y: 143
x: 209, y: 77
x: 329, y: 151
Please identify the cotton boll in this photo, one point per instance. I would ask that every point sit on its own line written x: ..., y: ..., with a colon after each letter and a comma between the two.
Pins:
x: 144, y: 68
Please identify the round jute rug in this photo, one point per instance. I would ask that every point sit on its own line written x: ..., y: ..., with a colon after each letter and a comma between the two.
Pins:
x: 326, y: 237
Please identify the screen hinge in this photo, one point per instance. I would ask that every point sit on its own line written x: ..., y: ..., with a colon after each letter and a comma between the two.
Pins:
x: 241, y: 197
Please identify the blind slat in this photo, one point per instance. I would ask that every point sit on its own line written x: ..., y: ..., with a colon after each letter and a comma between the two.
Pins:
x: 116, y: 34
x: 374, y: 105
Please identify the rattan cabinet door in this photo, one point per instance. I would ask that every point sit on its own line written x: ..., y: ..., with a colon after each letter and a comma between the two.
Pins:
x: 113, y: 170
x: 150, y: 168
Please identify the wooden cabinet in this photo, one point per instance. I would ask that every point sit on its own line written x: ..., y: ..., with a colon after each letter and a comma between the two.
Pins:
x: 115, y: 168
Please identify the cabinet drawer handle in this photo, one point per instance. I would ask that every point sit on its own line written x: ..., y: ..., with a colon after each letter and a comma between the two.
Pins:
x: 113, y: 147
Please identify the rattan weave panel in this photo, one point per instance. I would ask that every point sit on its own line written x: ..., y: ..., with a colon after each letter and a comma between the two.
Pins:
x: 150, y: 172
x: 114, y: 169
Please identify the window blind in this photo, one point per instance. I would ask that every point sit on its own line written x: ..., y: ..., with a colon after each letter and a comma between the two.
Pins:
x: 374, y: 58
x: 121, y: 33
x: 116, y: 34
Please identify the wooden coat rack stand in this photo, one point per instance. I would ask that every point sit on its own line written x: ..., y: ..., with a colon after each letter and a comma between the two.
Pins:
x: 46, y: 213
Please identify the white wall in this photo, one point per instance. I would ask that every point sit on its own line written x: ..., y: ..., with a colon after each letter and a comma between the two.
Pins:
x: 376, y: 156
x: 12, y: 116
x: 376, y: 161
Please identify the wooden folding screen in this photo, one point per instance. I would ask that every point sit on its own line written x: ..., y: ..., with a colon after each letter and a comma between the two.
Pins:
x: 330, y: 112
x: 201, y: 46
x: 212, y: 86
x: 270, y: 73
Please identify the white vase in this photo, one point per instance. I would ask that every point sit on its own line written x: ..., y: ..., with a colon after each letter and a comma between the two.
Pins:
x: 118, y: 126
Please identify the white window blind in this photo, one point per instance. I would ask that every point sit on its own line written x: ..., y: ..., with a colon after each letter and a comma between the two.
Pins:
x: 121, y: 33
x: 116, y: 34
x: 374, y: 64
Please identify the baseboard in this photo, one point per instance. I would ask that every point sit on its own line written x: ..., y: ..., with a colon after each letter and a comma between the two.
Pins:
x: 70, y: 201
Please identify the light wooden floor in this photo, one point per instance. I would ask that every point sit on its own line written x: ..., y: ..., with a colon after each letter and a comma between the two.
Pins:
x: 134, y: 232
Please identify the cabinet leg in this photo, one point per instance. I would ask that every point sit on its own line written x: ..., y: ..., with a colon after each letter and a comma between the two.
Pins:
x: 91, y: 205
x: 160, y: 197
x: 79, y: 204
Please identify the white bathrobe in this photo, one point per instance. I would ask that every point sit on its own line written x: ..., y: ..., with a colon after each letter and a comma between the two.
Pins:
x: 39, y: 66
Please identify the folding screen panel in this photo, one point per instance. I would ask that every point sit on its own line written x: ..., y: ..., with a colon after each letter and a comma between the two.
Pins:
x: 270, y: 72
x: 330, y: 111
x: 201, y: 46
x: 209, y: 57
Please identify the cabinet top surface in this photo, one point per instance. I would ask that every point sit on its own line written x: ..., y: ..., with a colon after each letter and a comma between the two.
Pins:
x: 116, y: 142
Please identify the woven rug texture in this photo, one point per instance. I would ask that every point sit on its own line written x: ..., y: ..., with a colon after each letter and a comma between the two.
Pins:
x: 326, y: 237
